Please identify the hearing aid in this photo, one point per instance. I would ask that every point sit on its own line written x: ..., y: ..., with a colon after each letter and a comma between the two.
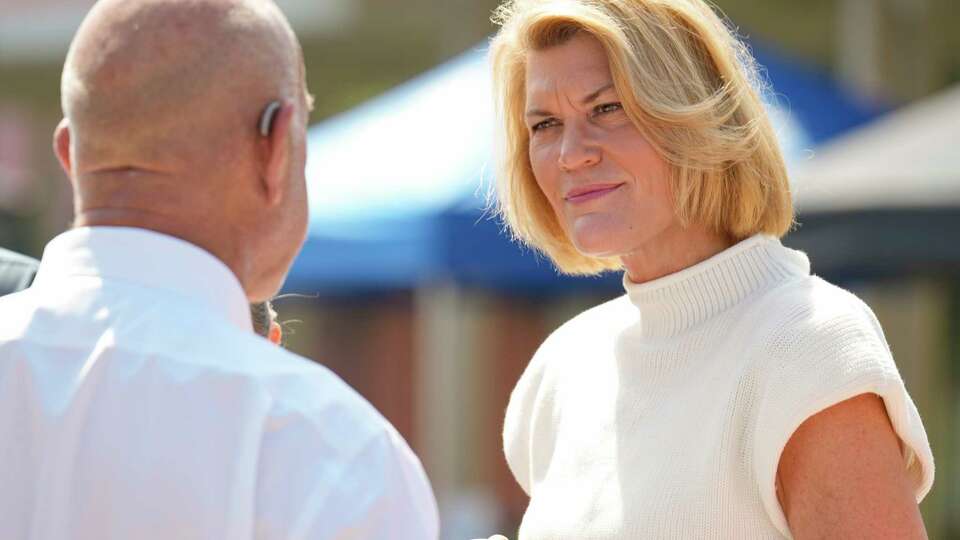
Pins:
x: 266, y: 119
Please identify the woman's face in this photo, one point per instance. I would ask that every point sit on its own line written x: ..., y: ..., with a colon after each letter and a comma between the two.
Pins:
x: 605, y: 182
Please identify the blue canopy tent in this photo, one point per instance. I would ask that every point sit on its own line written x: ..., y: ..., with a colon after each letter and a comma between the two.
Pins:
x: 399, y: 185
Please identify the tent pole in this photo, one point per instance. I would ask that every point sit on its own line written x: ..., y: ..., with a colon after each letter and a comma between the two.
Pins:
x: 444, y: 351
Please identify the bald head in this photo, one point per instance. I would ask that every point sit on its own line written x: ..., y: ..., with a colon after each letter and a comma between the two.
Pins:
x: 159, y: 83
x: 162, y: 101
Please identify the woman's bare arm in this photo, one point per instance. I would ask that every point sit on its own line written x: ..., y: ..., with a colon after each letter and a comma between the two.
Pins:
x: 842, y: 475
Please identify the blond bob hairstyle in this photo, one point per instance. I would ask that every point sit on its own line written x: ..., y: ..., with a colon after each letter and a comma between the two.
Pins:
x: 687, y: 83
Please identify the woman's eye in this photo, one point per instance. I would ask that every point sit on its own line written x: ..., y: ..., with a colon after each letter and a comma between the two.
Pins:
x: 539, y: 126
x: 607, y: 108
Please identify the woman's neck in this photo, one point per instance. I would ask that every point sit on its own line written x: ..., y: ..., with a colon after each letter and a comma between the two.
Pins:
x: 673, y: 250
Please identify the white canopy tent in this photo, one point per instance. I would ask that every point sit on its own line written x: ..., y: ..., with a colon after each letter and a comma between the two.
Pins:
x: 908, y: 158
x: 884, y: 199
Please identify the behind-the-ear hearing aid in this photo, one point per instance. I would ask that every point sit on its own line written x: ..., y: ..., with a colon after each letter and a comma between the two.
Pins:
x: 266, y: 119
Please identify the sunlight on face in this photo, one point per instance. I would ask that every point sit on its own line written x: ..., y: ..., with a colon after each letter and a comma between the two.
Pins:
x: 605, y: 182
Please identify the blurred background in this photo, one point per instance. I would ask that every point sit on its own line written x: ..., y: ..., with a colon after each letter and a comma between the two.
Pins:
x: 407, y: 286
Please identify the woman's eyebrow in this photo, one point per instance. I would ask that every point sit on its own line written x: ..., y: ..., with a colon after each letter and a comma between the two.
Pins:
x: 538, y: 113
x: 592, y: 96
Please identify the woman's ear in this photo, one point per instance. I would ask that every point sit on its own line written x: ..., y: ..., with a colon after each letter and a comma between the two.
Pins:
x: 274, y: 130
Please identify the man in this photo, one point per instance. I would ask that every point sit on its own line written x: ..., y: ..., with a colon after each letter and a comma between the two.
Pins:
x: 16, y: 271
x: 135, y: 399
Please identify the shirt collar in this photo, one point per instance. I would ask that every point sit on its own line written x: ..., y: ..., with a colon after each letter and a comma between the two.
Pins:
x: 148, y: 259
x: 677, y: 302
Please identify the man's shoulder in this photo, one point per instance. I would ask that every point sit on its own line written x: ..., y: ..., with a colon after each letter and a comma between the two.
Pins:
x: 329, y: 459
x: 324, y: 442
x: 295, y: 385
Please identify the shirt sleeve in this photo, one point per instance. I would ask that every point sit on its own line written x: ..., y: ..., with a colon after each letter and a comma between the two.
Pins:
x: 379, y: 491
x: 821, y: 358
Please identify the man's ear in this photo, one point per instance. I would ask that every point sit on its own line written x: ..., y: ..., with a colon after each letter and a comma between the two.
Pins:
x: 61, y: 147
x: 276, y: 146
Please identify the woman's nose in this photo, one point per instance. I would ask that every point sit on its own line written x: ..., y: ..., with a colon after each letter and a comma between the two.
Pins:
x: 577, y: 149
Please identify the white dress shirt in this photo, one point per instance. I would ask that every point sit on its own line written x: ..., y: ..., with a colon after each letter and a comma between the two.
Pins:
x: 137, y: 403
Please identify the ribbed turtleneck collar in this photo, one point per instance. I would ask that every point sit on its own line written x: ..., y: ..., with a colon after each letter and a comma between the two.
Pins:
x: 679, y: 301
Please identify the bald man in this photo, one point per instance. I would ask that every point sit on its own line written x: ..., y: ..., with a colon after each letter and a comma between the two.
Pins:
x: 135, y: 400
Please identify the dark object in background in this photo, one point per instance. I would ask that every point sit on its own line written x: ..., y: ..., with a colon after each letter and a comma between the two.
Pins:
x: 16, y: 271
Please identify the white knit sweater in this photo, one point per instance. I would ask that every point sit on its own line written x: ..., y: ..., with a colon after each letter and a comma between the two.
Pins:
x: 663, y: 413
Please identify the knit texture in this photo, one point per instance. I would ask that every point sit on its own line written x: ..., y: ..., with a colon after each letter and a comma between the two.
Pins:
x: 663, y: 413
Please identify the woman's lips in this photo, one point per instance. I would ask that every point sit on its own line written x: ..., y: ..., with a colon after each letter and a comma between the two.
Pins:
x: 589, y: 193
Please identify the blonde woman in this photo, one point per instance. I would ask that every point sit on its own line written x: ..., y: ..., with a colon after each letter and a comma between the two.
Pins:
x: 729, y: 393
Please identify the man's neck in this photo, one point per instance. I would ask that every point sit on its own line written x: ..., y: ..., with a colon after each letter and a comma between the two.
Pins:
x: 201, y: 232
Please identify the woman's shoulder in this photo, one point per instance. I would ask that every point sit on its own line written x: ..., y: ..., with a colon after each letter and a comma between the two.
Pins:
x: 822, y: 345
x: 813, y: 308
x: 585, y: 331
x: 594, y: 324
x: 809, y: 332
x: 533, y: 401
x: 817, y: 343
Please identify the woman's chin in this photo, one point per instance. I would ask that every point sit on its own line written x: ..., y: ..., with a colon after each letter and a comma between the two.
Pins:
x: 597, y: 242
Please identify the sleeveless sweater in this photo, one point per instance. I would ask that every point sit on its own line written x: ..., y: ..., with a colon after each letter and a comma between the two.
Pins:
x: 663, y: 413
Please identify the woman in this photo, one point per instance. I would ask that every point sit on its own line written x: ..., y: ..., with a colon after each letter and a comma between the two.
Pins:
x: 729, y: 393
